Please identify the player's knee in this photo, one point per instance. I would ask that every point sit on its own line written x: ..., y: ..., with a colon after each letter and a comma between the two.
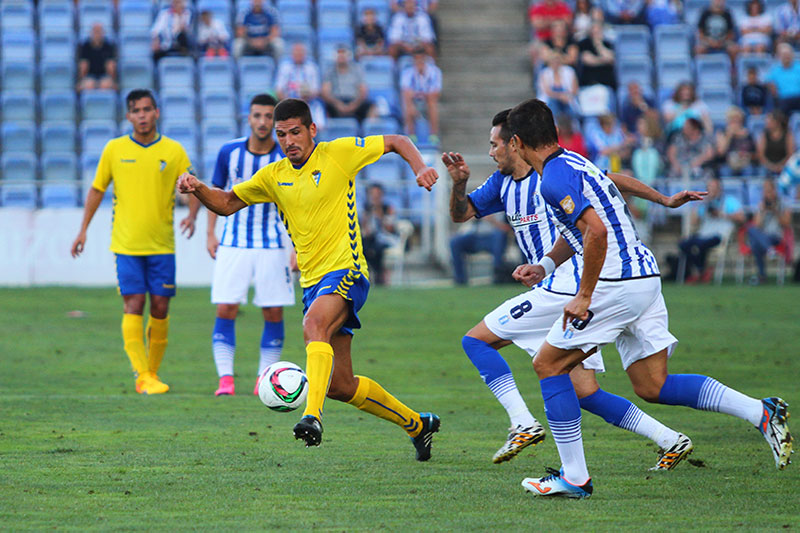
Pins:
x: 227, y: 311
x: 342, y: 390
x: 648, y: 391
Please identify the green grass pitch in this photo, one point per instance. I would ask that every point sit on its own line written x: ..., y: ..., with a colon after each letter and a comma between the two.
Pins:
x: 79, y: 450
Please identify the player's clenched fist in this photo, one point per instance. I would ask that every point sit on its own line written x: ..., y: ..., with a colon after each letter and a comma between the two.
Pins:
x: 427, y: 177
x: 187, y: 183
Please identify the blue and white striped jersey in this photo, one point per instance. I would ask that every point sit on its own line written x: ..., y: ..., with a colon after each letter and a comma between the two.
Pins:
x: 570, y: 185
x: 258, y: 226
x: 535, y: 230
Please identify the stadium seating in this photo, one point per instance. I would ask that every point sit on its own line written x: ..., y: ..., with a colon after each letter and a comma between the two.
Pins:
x: 18, y: 76
x: 184, y: 132
x: 18, y: 137
x: 58, y: 105
x: 19, y: 166
x: 58, y: 46
x: 256, y: 73
x: 713, y: 70
x: 381, y: 126
x: 59, y: 166
x: 90, y: 13
x: 673, y: 40
x: 632, y: 41
x: 635, y: 68
x: 762, y: 62
x: 176, y: 73
x: 378, y: 71
x: 217, y: 73
x: 58, y: 137
x: 216, y: 133
x: 135, y: 14
x: 57, y: 75
x: 95, y: 134
x: 339, y: 127
x: 98, y: 104
x: 135, y: 43
x: 672, y: 71
x: 218, y: 103
x: 56, y: 17
x: 16, y: 16
x: 299, y: 34
x: 295, y: 12
x: 88, y: 168
x: 60, y: 195
x: 135, y: 73
x: 18, y: 45
x: 718, y: 100
x: 178, y: 106
x: 21, y: 195
x: 334, y: 14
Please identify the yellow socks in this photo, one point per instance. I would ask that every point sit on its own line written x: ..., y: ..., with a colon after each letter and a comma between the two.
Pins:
x: 134, y: 343
x: 319, y: 364
x: 156, y: 342
x: 373, y: 399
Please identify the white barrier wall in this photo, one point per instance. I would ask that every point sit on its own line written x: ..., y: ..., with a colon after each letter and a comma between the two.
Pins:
x: 35, y: 249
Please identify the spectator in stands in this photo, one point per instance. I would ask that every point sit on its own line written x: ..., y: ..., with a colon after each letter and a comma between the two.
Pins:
x: 787, y: 23
x: 258, y: 31
x: 421, y: 85
x: 625, y: 11
x: 568, y: 137
x: 646, y: 160
x: 663, y: 12
x: 582, y: 20
x: 491, y: 237
x: 775, y: 144
x: 557, y: 86
x: 756, y: 29
x: 690, y: 150
x: 298, y: 77
x: 716, y: 31
x: 612, y: 145
x: 684, y: 104
x: 767, y: 228
x: 344, y: 90
x: 735, y: 147
x: 544, y: 13
x: 559, y: 43
x: 97, y: 61
x: 784, y: 79
x: 597, y: 59
x: 634, y: 106
x: 377, y: 221
x: 370, y: 37
x: 213, y: 38
x: 410, y: 29
x: 431, y: 7
x: 754, y: 93
x: 172, y: 31
x: 713, y: 220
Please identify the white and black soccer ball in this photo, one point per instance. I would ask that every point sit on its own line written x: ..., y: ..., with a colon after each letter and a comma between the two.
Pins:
x: 283, y: 386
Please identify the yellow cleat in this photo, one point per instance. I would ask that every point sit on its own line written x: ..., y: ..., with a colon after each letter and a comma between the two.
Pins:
x: 148, y: 383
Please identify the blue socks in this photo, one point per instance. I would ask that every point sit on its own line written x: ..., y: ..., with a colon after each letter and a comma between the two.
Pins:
x: 682, y: 389
x: 708, y: 394
x: 609, y: 407
x: 564, y: 417
x: 223, y: 342
x: 271, y: 345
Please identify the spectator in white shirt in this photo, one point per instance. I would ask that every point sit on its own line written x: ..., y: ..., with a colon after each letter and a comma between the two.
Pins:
x: 557, y: 86
x: 410, y: 29
x: 421, y: 85
x: 756, y: 29
x: 212, y: 36
x: 172, y: 31
x: 298, y: 77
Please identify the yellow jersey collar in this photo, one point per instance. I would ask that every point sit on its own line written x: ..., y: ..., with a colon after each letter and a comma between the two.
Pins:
x: 158, y: 138
x: 301, y: 165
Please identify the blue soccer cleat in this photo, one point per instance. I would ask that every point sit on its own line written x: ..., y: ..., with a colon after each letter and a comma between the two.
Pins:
x: 775, y: 429
x: 423, y: 442
x: 554, y: 484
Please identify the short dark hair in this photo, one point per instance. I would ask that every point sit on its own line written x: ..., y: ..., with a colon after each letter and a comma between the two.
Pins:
x: 293, y: 108
x: 532, y: 121
x: 695, y: 123
x: 501, y: 120
x: 263, y: 99
x: 137, y: 94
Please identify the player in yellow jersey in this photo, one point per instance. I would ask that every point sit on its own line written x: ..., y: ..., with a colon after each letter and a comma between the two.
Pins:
x: 144, y: 167
x: 314, y: 189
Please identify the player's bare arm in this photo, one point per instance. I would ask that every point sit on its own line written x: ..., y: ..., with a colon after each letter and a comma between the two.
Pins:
x: 188, y: 223
x: 211, y: 235
x: 93, y: 199
x: 221, y: 202
x: 629, y: 185
x: 461, y: 209
x: 402, y: 145
x: 529, y: 275
x: 595, y: 244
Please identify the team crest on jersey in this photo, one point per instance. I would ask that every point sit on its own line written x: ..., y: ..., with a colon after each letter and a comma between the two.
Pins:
x: 317, y: 174
x: 360, y: 142
x: 567, y: 204
x: 163, y: 165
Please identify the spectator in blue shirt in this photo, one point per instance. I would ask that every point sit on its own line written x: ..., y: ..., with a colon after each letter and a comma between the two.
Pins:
x: 258, y: 31
x: 784, y: 79
x: 635, y: 105
x: 625, y: 11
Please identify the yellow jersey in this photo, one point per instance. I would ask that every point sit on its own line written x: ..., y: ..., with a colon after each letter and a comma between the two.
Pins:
x: 317, y: 202
x: 144, y: 192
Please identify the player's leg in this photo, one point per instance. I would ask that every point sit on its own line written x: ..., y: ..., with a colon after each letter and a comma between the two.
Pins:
x: 160, y: 275
x: 223, y: 346
x: 132, y: 284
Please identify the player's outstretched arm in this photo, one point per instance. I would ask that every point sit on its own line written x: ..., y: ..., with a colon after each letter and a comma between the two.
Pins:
x: 461, y: 209
x: 93, y: 200
x: 402, y: 145
x: 629, y: 185
x: 221, y: 202
x: 530, y: 275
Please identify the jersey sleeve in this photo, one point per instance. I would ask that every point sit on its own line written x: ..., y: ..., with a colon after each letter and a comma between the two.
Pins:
x: 102, y: 176
x: 563, y: 190
x: 256, y: 190
x: 184, y: 163
x: 354, y: 153
x: 220, y: 178
x: 486, y: 198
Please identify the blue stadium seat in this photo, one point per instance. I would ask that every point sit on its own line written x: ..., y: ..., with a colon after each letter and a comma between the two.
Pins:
x: 633, y: 40
x: 16, y: 16
x: 18, y: 45
x: 718, y: 100
x: 381, y: 7
x: 176, y: 73
x: 19, y: 166
x: 692, y: 10
x: 294, y: 12
x: 58, y: 46
x: 713, y: 70
x: 339, y: 127
x: 215, y: 134
x: 209, y: 164
x: 178, y: 106
x: 55, y: 75
x: 60, y: 195
x: 378, y: 71
x: 58, y: 136
x: 256, y: 73
x: 135, y: 73
x: 673, y: 70
x: 135, y: 14
x: 389, y: 173
x: 88, y: 168
x: 18, y: 137
x: 673, y: 40
x: 386, y: 99
x: 763, y: 62
x: 100, y: 104
x: 245, y: 96
x: 635, y: 68
x: 218, y: 103
x: 184, y: 132
x: 381, y: 126
x: 59, y: 166
x: 299, y: 34
x: 91, y: 12
x: 58, y: 105
x: 135, y: 43
x: 334, y: 14
x: 21, y: 195
x: 56, y: 17
x: 18, y: 76
x: 755, y: 125
x: 217, y: 73
x: 18, y: 105
x: 95, y: 134
x: 328, y: 42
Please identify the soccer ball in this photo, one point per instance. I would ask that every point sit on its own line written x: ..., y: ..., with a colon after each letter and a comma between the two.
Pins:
x: 283, y: 386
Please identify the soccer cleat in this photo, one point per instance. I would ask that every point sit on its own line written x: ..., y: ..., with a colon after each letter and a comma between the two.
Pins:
x: 676, y: 453
x: 226, y: 387
x: 309, y: 429
x: 148, y: 383
x: 424, y: 440
x: 775, y: 429
x: 554, y: 484
x: 519, y: 438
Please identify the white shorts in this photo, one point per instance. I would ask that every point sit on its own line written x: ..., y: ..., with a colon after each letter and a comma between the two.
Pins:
x: 631, y: 312
x: 267, y: 269
x: 526, y: 319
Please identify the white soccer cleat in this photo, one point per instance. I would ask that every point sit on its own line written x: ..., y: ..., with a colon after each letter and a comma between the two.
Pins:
x: 775, y: 429
x: 554, y: 484
x: 676, y: 453
x: 518, y: 438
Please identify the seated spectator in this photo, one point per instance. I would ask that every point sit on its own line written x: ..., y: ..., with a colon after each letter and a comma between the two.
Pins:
x: 767, y: 227
x: 431, y: 7
x: 410, y: 29
x: 213, y: 38
x: 756, y: 29
x: 754, y: 93
x: 298, y: 77
x: 377, y: 220
x: 97, y: 61
x: 634, y: 106
x: 713, y: 220
x: 491, y: 237
x: 582, y: 19
x: 612, y: 145
x: 597, y: 59
x: 784, y: 79
x: 343, y: 88
x: 258, y: 31
x: 684, y: 104
x: 172, y: 31
x: 370, y: 37
x: 787, y: 23
x: 559, y: 43
x: 568, y: 138
x: 775, y: 144
x: 557, y: 86
x: 421, y: 85
x: 625, y: 11
x: 663, y: 12
x: 689, y: 151
x: 736, y: 150
x: 544, y: 13
x: 646, y: 164
x: 716, y: 31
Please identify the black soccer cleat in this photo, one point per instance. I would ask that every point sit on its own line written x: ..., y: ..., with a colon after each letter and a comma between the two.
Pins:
x: 310, y: 430
x: 422, y: 442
